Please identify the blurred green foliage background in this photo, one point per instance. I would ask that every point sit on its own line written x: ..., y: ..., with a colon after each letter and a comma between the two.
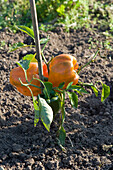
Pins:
x: 70, y: 13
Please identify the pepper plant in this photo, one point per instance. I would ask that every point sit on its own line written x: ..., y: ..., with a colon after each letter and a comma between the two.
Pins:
x: 49, y: 84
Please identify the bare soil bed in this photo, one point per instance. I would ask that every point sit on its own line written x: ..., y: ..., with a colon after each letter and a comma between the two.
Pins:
x: 89, y: 141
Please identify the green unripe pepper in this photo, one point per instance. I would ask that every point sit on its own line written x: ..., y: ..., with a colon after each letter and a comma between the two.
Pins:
x: 55, y: 104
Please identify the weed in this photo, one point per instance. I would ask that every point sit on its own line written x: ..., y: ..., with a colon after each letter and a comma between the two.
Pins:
x: 2, y: 44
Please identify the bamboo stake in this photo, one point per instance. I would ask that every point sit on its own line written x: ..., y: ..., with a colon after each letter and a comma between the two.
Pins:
x: 36, y: 35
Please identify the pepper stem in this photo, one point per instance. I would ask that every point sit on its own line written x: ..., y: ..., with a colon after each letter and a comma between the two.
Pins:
x: 89, y: 61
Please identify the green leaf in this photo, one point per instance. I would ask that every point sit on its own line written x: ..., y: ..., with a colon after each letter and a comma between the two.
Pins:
x: 61, y: 85
x: 13, y: 48
x: 86, y: 84
x: 36, y: 110
x: 62, y: 135
x: 73, y: 98
x: 24, y: 64
x: 61, y: 9
x: 105, y: 92
x: 78, y: 89
x: 55, y: 98
x: 55, y: 104
x: 44, y: 40
x: 28, y: 57
x: 25, y: 61
x: 19, y: 45
x: 16, y: 46
x: 69, y: 85
x: 48, y: 86
x: 95, y: 90
x: 27, y: 30
x: 46, y: 113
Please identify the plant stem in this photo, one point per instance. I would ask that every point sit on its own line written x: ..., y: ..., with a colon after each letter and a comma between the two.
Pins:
x: 62, y: 107
x: 28, y: 84
x: 37, y: 41
x: 85, y: 84
x: 89, y: 61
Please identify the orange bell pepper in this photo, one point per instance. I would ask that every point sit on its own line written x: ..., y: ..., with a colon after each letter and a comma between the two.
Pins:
x: 63, y: 68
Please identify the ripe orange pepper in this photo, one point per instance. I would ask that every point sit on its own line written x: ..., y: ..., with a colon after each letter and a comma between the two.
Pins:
x: 18, y: 72
x: 63, y: 69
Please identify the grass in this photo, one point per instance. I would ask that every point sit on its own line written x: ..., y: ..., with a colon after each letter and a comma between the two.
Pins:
x: 14, y: 13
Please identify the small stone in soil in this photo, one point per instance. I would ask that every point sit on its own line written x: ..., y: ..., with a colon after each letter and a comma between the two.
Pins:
x: 16, y: 147
x: 106, y: 114
x: 1, y: 168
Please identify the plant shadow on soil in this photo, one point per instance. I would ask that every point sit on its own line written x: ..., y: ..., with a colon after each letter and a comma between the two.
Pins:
x: 86, y: 131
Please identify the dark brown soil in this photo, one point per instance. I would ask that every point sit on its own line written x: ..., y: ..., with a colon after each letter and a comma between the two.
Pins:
x: 89, y: 141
